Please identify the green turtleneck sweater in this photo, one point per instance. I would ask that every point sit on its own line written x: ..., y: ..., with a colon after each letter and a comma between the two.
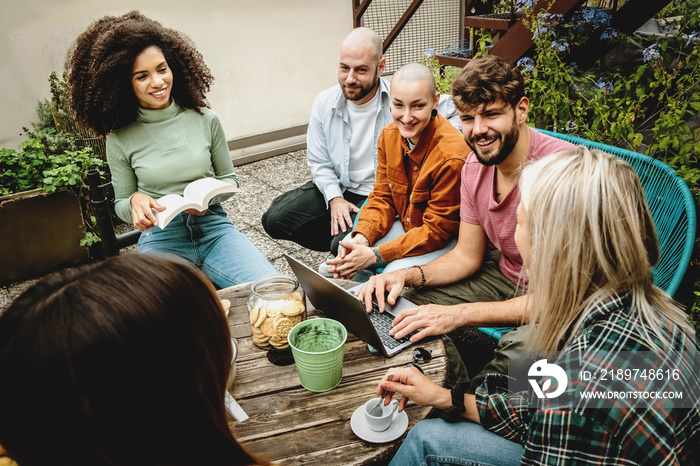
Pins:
x: 164, y: 150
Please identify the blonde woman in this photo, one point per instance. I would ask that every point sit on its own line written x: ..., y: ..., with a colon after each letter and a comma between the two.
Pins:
x: 588, y: 243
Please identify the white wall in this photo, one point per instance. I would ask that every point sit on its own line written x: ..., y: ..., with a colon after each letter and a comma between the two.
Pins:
x: 269, y: 58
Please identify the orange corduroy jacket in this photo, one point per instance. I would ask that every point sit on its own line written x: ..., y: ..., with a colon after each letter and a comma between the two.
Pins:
x: 421, y: 186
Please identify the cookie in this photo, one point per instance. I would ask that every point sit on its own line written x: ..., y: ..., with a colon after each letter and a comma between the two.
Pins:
x: 260, y: 341
x: 254, y: 313
x: 283, y: 326
x: 293, y: 308
x: 268, y: 327
x: 279, y: 343
x: 225, y: 305
x: 296, y: 319
x: 262, y: 315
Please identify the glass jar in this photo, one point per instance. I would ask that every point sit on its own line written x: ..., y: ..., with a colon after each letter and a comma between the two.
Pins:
x: 276, y: 303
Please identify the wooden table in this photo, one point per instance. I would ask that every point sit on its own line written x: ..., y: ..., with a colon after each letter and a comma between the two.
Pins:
x: 291, y: 425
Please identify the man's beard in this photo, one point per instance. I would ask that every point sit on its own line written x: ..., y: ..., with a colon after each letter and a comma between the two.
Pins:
x: 360, y: 93
x: 508, y: 141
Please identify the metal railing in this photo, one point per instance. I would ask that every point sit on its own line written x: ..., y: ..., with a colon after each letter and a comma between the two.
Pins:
x: 410, y: 27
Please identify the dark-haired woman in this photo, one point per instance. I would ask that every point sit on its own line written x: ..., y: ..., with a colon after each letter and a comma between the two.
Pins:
x: 144, y: 85
x: 114, y: 364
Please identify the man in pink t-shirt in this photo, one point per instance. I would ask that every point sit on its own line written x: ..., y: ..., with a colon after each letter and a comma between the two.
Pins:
x: 480, y: 207
x: 477, y: 283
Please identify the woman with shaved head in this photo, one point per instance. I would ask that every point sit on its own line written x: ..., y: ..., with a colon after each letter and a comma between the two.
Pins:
x: 412, y: 213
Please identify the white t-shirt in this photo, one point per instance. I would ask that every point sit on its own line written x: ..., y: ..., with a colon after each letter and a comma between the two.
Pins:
x: 361, y: 169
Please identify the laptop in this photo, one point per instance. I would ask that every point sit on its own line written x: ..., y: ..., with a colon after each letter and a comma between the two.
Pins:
x: 342, y: 305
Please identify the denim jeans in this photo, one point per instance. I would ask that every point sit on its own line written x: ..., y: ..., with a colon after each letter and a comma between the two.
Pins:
x: 437, y: 442
x: 211, y: 243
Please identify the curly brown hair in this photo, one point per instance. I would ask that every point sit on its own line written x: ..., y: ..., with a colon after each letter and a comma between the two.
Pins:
x: 484, y: 80
x: 100, y: 64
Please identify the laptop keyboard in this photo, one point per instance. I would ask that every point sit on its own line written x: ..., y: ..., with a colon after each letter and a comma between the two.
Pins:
x: 382, y: 323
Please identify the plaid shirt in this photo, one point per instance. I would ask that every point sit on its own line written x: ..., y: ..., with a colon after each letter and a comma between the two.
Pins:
x: 604, y: 432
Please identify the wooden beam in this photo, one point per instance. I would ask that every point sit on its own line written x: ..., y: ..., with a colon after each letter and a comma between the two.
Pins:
x: 452, y: 61
x: 518, y: 39
x: 630, y: 17
x: 497, y: 21
x: 358, y: 10
x: 633, y: 14
x: 408, y: 14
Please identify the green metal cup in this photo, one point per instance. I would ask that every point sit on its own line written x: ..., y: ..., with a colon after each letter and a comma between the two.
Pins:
x: 318, y: 346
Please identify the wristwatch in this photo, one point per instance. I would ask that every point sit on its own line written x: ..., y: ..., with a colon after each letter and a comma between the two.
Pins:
x: 454, y: 412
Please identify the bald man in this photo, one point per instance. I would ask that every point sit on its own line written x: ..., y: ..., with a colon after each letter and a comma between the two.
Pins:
x: 412, y: 214
x: 346, y: 121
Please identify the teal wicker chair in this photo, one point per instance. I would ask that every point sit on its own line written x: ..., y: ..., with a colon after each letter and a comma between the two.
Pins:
x: 672, y: 208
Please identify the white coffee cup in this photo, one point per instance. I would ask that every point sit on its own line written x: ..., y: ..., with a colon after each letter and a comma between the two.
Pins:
x: 379, y: 423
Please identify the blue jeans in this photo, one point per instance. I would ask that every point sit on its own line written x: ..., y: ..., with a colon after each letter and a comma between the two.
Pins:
x: 434, y: 441
x: 211, y: 243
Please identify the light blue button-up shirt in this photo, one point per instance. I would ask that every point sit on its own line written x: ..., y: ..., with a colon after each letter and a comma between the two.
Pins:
x: 329, y: 134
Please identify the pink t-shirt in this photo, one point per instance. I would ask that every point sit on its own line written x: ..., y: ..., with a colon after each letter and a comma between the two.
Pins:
x: 479, y: 207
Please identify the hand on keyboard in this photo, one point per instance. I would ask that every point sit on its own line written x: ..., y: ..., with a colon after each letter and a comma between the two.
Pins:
x: 421, y: 321
x: 382, y: 323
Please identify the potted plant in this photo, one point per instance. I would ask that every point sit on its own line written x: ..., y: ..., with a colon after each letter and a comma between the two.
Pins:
x: 43, y: 208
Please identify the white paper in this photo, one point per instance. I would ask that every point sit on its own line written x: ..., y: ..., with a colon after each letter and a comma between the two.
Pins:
x: 234, y: 409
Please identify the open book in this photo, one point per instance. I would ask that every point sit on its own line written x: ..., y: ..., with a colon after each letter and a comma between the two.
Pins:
x: 197, y: 195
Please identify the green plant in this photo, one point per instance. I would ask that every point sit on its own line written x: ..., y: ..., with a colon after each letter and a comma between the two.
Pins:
x: 90, y: 238
x: 443, y: 75
x: 645, y: 111
x: 694, y: 314
x: 44, y: 119
x: 48, y: 161
x: 682, y: 8
x: 57, y: 154
x: 483, y: 42
x: 64, y: 118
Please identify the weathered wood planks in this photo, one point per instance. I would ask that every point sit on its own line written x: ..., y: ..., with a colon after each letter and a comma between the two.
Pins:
x: 291, y: 425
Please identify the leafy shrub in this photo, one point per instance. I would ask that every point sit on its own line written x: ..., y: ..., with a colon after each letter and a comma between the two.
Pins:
x: 443, y: 75
x: 44, y: 119
x: 47, y: 161
x: 645, y: 110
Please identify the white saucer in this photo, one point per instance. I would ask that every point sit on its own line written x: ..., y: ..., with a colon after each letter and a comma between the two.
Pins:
x: 359, y: 426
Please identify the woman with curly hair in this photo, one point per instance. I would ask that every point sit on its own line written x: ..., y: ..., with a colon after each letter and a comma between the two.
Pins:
x: 91, y: 378
x: 144, y: 86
